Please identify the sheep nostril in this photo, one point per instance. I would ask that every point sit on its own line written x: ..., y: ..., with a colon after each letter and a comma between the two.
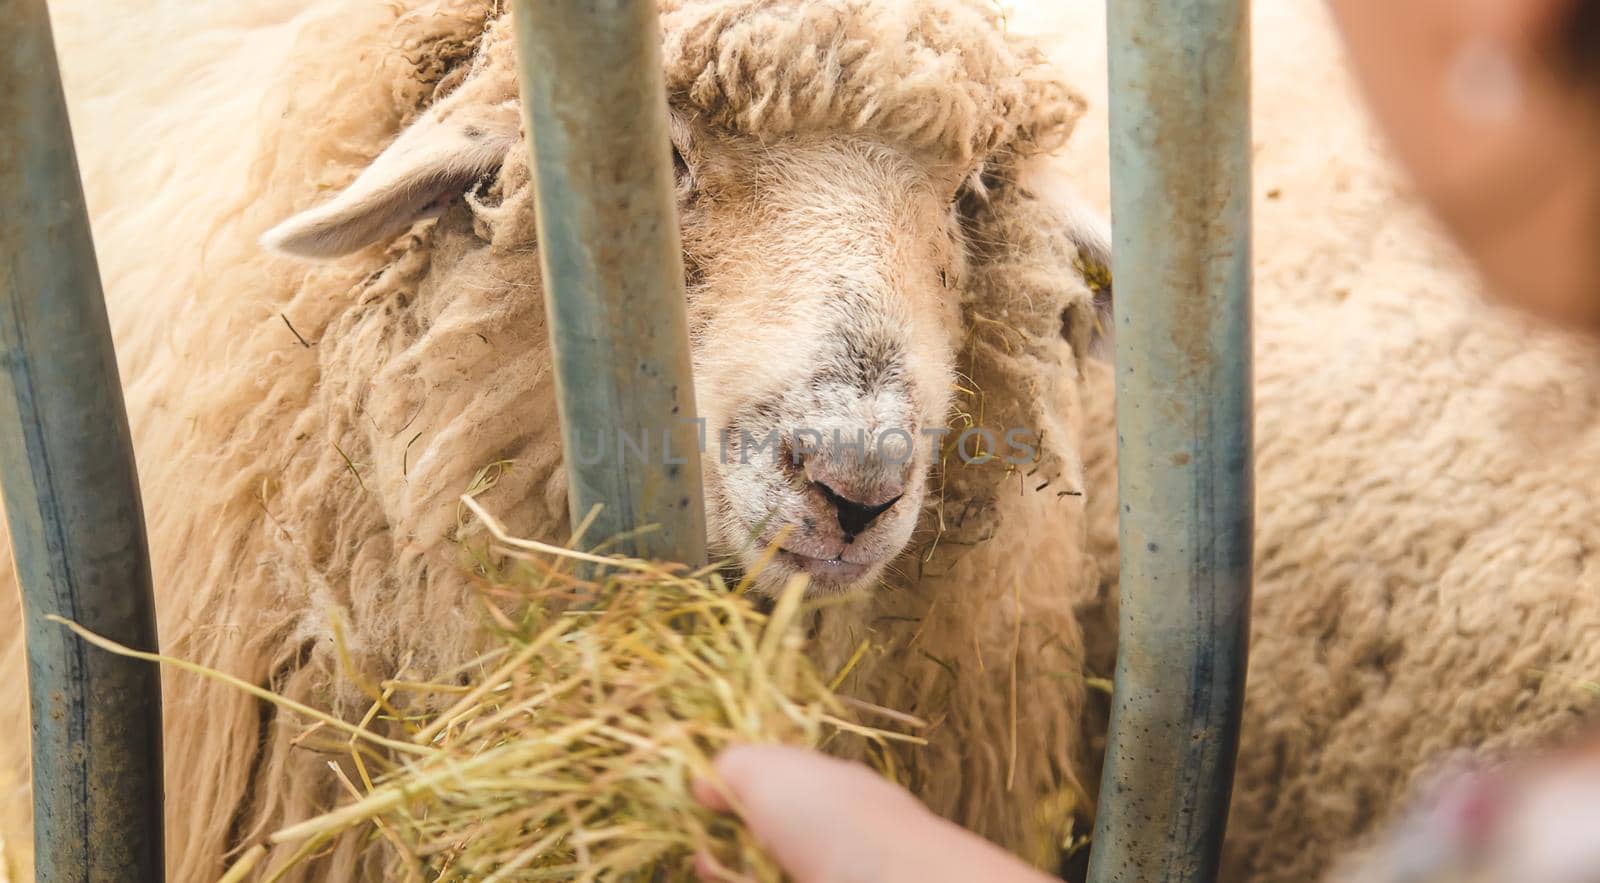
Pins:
x: 854, y: 517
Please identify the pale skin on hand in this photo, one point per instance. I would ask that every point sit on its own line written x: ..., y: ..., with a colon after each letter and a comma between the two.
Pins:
x: 830, y: 821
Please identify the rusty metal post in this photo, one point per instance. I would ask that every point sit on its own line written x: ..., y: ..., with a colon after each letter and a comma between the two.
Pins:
x: 1180, y: 165
x: 595, y: 106
x: 71, y: 495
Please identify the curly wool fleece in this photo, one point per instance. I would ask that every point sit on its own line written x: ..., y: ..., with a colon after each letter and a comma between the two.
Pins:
x: 1425, y: 481
x: 291, y: 483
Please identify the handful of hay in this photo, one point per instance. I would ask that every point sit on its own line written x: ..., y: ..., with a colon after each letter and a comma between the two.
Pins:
x: 568, y: 751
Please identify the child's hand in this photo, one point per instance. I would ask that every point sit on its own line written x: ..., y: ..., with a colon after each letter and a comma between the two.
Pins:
x: 828, y: 821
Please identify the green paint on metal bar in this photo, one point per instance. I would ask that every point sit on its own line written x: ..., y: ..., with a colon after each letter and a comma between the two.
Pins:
x: 595, y: 105
x: 1180, y: 142
x: 71, y: 495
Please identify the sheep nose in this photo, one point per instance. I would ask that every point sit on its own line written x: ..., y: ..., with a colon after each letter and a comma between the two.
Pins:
x: 854, y: 516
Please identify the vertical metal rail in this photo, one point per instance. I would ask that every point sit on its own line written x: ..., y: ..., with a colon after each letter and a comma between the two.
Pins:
x: 71, y: 494
x: 1180, y: 166
x: 595, y: 106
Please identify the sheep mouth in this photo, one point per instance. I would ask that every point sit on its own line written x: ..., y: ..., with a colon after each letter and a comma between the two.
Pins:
x: 828, y: 571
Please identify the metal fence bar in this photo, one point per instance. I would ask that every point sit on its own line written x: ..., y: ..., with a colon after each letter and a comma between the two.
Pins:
x: 1180, y: 165
x: 595, y: 105
x: 71, y: 494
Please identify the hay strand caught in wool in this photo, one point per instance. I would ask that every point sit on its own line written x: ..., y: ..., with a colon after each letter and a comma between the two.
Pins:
x: 569, y: 750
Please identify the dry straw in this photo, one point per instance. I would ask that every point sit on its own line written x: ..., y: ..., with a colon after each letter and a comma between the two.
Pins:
x: 567, y: 752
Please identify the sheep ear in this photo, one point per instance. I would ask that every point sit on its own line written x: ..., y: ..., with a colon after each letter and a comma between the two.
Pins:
x: 1092, y: 235
x: 1090, y: 327
x: 435, y: 160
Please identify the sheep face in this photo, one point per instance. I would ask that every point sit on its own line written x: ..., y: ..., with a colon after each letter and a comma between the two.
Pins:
x: 824, y: 314
x: 822, y: 280
x: 834, y: 263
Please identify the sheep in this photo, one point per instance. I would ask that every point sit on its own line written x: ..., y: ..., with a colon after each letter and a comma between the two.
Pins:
x: 1425, y: 512
x: 872, y: 231
x: 1425, y: 495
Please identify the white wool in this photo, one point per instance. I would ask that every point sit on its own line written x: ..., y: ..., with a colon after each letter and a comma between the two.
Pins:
x: 1426, y: 494
x: 303, y: 430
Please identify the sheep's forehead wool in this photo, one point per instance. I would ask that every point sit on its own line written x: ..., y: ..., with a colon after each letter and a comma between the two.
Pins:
x: 942, y: 78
